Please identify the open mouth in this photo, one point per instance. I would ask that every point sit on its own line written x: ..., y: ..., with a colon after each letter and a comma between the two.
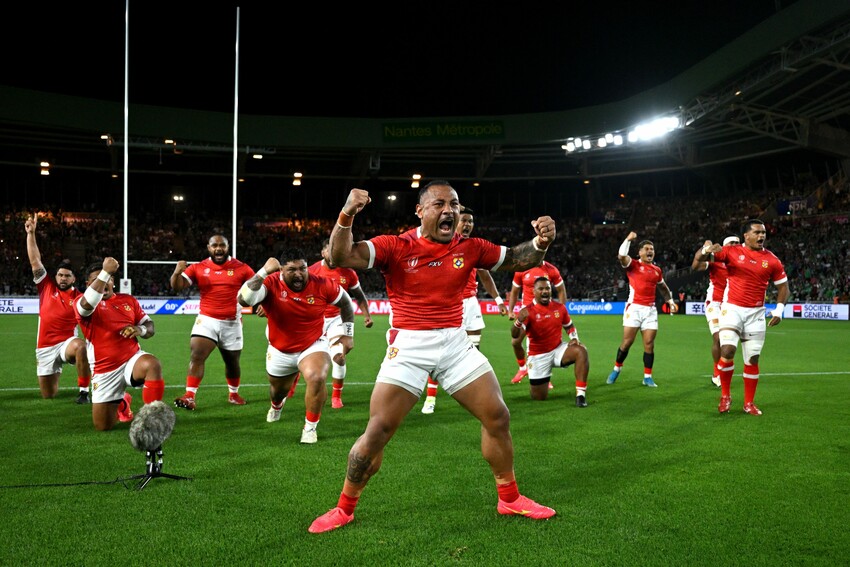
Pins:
x: 446, y: 225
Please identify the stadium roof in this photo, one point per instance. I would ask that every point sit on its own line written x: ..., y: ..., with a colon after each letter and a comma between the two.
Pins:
x: 781, y: 86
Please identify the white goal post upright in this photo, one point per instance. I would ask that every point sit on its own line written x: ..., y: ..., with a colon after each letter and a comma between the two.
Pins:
x: 126, y: 282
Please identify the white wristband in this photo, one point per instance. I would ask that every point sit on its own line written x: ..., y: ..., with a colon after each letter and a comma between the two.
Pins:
x: 573, y: 335
x: 499, y: 300
x: 348, y: 329
x: 779, y: 311
x: 536, y: 247
x: 104, y: 276
x: 262, y: 273
x: 143, y: 331
x: 705, y: 250
x: 624, y: 248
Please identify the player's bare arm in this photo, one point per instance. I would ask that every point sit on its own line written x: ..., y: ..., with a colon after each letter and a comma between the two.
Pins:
x: 252, y: 291
x: 363, y: 303
x: 623, y: 252
x: 512, y: 299
x: 344, y: 251
x: 700, y: 262
x: 32, y: 248
x: 177, y: 281
x: 782, y: 293
x: 490, y: 287
x: 668, y: 296
x: 346, y: 313
x: 517, y: 332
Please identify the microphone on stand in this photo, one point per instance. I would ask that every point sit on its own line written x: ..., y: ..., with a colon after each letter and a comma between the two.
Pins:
x: 152, y: 425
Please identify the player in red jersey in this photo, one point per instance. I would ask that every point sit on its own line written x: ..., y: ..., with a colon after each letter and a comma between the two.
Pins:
x: 333, y: 328
x: 714, y: 298
x: 295, y: 303
x: 473, y: 320
x: 750, y: 269
x: 219, y: 323
x: 542, y: 322
x: 427, y: 339
x: 111, y: 323
x: 525, y: 281
x: 57, y: 342
x: 645, y: 278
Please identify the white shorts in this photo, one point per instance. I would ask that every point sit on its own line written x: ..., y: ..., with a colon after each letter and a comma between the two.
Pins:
x: 446, y: 355
x: 333, y: 327
x: 712, y: 315
x: 285, y: 363
x: 49, y: 360
x: 747, y: 321
x: 472, y: 319
x: 540, y: 365
x: 110, y: 386
x: 227, y: 334
x: 641, y: 316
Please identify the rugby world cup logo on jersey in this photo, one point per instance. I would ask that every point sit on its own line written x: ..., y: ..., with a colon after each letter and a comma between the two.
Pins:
x: 411, y: 263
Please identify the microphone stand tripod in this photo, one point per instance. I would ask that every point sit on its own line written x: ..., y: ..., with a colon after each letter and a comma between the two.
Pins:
x: 153, y: 463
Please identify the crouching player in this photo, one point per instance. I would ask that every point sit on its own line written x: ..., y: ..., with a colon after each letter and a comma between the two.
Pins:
x: 111, y: 323
x: 542, y: 322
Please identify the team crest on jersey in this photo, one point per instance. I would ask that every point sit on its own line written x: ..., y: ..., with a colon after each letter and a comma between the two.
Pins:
x: 230, y: 272
x: 764, y: 263
x: 457, y: 263
x: 557, y: 314
x: 311, y: 300
x: 342, y: 280
x: 126, y: 307
x: 392, y: 352
x: 206, y: 271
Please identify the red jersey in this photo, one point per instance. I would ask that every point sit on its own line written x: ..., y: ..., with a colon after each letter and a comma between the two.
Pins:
x: 346, y: 278
x: 107, y: 349
x: 544, y: 324
x: 296, y: 318
x: 57, y: 321
x: 749, y: 274
x: 471, y: 289
x: 643, y: 278
x: 425, y: 279
x: 526, y: 279
x: 717, y: 275
x: 219, y: 286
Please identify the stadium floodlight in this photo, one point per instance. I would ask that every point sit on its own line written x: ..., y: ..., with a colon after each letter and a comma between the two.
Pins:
x: 618, y: 140
x: 655, y: 128
x: 585, y: 144
x: 601, y: 143
x: 569, y: 146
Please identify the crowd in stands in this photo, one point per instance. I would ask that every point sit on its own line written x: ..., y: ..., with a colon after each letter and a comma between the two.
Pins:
x: 812, y: 242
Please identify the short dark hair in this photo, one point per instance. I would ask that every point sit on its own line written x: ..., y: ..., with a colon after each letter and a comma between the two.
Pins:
x: 541, y: 278
x: 748, y: 225
x: 466, y: 210
x: 433, y: 183
x: 291, y: 254
x: 644, y: 243
x: 65, y: 265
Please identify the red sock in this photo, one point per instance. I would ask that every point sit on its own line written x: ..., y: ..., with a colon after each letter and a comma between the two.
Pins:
x: 751, y: 381
x: 508, y: 492
x: 521, y: 362
x: 647, y: 371
x: 192, y: 385
x: 337, y: 392
x: 152, y: 390
x: 233, y: 384
x: 83, y: 381
x: 347, y: 503
x: 725, y: 371
x: 431, y: 389
x: 313, y: 417
x: 581, y: 387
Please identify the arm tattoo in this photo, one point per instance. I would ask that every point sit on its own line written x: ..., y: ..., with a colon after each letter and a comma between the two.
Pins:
x: 38, y: 272
x: 521, y: 257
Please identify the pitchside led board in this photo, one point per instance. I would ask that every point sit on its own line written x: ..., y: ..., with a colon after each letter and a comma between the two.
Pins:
x: 172, y: 306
